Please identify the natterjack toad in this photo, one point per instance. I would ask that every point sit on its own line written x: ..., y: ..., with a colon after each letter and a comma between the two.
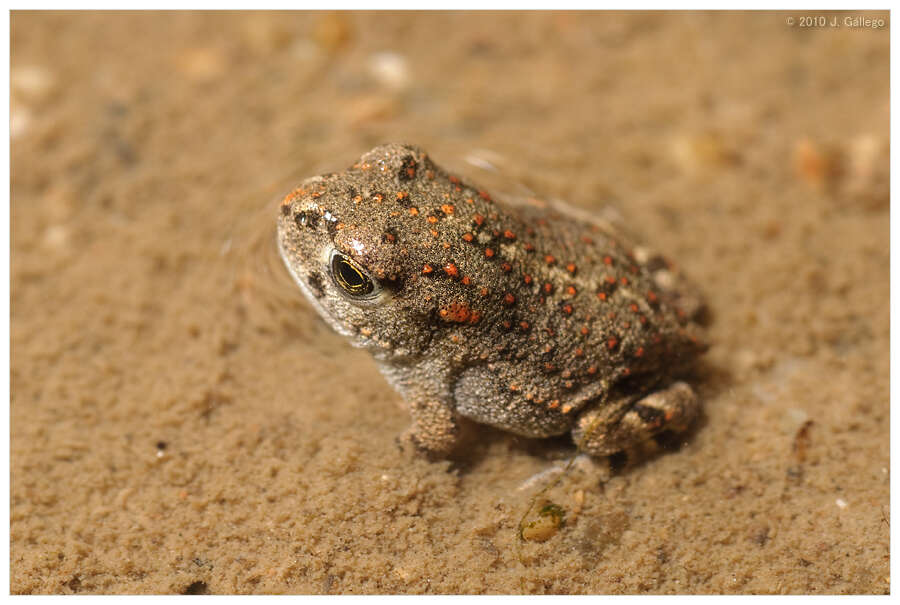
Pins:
x: 523, y: 317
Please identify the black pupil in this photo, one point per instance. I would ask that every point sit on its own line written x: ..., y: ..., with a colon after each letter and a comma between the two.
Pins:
x: 350, y: 277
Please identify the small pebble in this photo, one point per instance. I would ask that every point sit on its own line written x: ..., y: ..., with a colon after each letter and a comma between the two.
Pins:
x: 703, y: 153
x: 869, y: 170
x: 578, y: 499
x: 796, y: 417
x: 202, y: 64
x: 865, y: 151
x: 371, y: 108
x: 550, y: 518
x: 56, y: 236
x: 332, y: 32
x: 816, y: 164
x: 31, y: 83
x: 19, y: 120
x: 390, y: 69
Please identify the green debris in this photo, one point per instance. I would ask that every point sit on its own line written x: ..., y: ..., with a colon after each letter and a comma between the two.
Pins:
x: 549, y: 519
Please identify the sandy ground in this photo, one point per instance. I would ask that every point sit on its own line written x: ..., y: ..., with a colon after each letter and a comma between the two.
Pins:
x: 182, y: 422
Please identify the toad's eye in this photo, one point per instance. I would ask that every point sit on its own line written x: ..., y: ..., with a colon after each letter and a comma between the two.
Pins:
x: 351, y: 278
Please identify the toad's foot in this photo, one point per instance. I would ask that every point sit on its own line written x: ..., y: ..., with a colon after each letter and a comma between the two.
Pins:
x: 671, y: 409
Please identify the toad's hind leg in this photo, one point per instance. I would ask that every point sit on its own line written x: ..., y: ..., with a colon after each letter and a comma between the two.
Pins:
x: 671, y: 409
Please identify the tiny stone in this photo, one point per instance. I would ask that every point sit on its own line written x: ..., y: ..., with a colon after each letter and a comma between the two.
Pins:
x: 202, y: 64
x: 332, y: 32
x: 389, y: 69
x: 19, y: 120
x: 31, y: 83
x: 56, y: 236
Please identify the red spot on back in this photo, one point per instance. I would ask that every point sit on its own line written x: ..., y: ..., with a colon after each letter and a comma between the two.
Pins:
x: 459, y: 313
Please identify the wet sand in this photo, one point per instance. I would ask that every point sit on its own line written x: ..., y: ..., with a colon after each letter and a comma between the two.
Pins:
x: 182, y: 421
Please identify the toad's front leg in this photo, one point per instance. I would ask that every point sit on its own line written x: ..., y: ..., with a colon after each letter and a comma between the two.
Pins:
x: 435, y: 428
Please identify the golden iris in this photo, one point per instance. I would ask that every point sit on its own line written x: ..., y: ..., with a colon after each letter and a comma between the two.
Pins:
x: 350, y: 276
